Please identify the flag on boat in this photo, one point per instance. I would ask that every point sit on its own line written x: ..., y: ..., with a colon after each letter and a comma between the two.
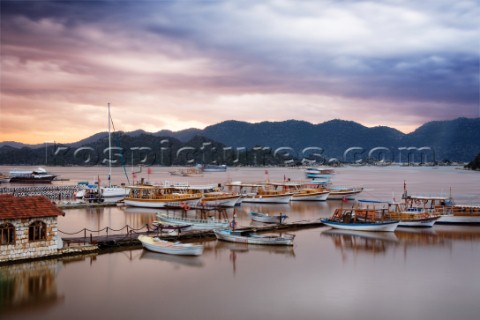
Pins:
x: 149, y: 171
x: 344, y: 199
x: 266, y: 171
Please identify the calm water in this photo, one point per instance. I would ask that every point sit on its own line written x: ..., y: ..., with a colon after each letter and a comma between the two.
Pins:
x: 409, y: 274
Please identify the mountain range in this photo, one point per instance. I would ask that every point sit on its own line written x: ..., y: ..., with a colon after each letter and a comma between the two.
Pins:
x: 274, y: 142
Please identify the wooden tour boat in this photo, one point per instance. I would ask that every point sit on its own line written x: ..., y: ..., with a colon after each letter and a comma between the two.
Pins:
x: 361, y: 220
x: 149, y: 196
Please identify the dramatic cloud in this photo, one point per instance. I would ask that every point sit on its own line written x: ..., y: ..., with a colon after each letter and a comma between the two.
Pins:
x: 179, y: 64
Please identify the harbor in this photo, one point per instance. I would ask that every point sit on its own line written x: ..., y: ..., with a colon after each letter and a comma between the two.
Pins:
x: 321, y: 259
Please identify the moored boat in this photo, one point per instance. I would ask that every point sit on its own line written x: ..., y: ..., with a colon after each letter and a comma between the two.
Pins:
x: 317, y: 172
x: 39, y: 175
x: 208, y: 223
x: 155, y: 244
x: 261, y: 193
x: 461, y: 214
x: 409, y: 216
x: 303, y: 191
x: 251, y: 237
x: 149, y: 196
x: 266, y: 218
x: 360, y: 220
x: 212, y: 167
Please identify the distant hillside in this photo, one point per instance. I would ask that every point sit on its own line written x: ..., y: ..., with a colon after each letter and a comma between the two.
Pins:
x: 454, y: 140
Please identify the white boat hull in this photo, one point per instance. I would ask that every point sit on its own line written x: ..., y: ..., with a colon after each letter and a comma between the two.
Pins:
x: 267, y: 199
x: 310, y: 197
x: 152, y: 203
x: 263, y: 240
x: 340, y: 195
x: 382, y: 227
x: 418, y: 223
x: 161, y: 246
x: 226, y: 202
x: 459, y: 219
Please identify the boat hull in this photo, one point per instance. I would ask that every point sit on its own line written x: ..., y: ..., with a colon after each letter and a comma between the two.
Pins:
x: 459, y: 219
x: 419, y: 223
x: 389, y: 226
x: 340, y: 195
x: 320, y: 196
x: 166, y: 247
x: 226, y: 236
x: 267, y: 199
x: 220, y: 201
x: 43, y: 179
x: 158, y: 203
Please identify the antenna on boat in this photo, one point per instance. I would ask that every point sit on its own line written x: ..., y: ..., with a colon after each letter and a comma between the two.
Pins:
x: 109, y: 148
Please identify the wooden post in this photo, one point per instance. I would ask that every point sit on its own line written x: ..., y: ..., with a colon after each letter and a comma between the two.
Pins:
x: 107, y: 232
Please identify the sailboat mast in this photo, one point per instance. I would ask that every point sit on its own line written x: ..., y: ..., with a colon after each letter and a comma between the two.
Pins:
x: 109, y: 148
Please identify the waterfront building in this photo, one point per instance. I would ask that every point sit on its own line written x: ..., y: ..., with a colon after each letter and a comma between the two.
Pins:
x: 28, y: 228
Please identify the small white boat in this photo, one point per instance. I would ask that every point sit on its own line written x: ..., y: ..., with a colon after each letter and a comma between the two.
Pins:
x: 266, y: 218
x: 197, y: 224
x: 251, y: 237
x: 155, y: 244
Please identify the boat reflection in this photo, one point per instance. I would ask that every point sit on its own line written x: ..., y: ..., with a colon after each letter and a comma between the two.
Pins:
x: 236, y: 248
x: 29, y: 287
x: 361, y: 241
x: 288, y: 251
x: 175, y: 260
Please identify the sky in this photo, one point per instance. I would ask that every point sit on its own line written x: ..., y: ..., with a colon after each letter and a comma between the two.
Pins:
x: 189, y: 64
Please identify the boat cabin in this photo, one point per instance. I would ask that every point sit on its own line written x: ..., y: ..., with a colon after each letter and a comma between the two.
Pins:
x: 28, y: 227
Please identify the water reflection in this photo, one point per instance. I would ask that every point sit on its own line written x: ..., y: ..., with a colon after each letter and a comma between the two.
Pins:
x: 236, y: 249
x: 30, y: 287
x: 361, y: 241
x: 187, y: 261
x: 373, y: 243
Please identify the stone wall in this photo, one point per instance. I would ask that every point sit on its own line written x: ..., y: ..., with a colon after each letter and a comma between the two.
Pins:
x: 26, y: 249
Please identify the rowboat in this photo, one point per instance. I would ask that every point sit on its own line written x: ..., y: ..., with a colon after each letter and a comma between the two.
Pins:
x: 251, y: 237
x: 360, y: 220
x: 209, y: 223
x: 266, y: 218
x: 156, y: 244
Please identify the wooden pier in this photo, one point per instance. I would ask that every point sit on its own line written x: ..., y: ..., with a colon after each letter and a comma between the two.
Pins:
x: 127, y: 240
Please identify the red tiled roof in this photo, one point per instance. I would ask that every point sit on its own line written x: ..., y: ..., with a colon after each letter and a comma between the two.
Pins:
x: 27, y: 207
